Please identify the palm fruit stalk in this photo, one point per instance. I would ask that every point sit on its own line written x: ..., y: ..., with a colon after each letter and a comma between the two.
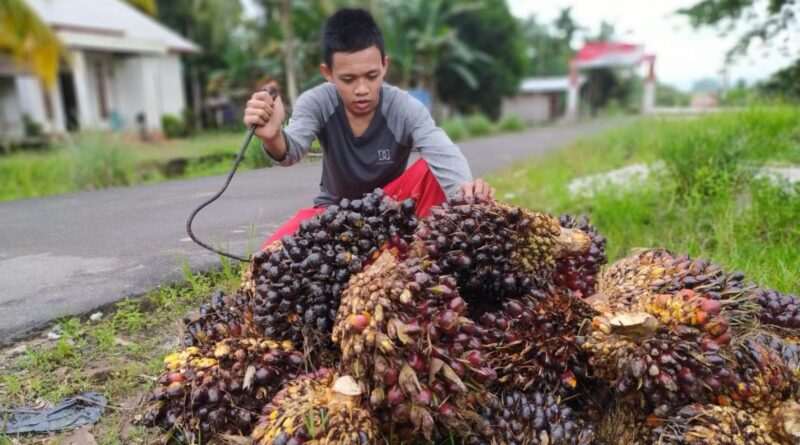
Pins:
x: 222, y: 390
x: 317, y: 409
x: 659, y: 271
x: 534, y: 342
x: 496, y: 251
x: 778, y: 309
x: 620, y: 425
x: 534, y: 418
x: 403, y: 335
x: 712, y: 425
x: 668, y: 354
x: 224, y: 316
x: 296, y: 288
x: 579, y: 273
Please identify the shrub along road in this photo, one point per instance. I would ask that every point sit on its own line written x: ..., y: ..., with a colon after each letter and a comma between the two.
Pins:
x: 70, y: 254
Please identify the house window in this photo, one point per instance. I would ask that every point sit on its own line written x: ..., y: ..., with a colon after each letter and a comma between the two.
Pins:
x: 102, y: 99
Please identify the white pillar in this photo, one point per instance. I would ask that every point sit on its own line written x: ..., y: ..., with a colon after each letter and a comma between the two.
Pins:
x: 649, y: 94
x: 572, y: 95
x: 80, y: 75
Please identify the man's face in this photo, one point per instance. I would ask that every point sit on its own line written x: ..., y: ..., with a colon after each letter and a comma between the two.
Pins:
x: 357, y: 77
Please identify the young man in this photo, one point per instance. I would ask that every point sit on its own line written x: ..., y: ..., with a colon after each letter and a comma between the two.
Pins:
x: 366, y: 128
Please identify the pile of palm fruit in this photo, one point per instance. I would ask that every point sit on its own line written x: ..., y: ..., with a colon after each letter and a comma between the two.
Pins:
x: 481, y: 323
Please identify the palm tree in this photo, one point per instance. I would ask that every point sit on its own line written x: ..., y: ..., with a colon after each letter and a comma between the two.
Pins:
x: 29, y: 41
x: 147, y: 6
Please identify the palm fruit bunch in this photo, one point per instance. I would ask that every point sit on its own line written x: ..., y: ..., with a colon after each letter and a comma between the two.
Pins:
x: 667, y: 354
x: 779, y: 309
x: 493, y: 250
x: 403, y: 334
x: 534, y: 418
x: 316, y: 409
x: 787, y: 349
x: 713, y: 425
x: 217, y: 391
x: 579, y: 273
x: 762, y: 378
x: 224, y: 316
x: 659, y: 271
x: 296, y: 287
x: 534, y: 341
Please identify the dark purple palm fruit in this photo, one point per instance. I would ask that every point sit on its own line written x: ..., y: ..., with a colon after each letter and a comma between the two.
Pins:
x: 224, y: 316
x: 516, y: 417
x: 579, y: 273
x: 779, y: 309
x: 296, y: 285
x: 218, y: 390
x: 495, y: 251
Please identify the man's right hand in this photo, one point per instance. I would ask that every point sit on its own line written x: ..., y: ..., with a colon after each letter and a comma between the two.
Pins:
x: 266, y: 114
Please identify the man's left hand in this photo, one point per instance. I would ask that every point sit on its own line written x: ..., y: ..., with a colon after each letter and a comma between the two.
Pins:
x: 477, y: 188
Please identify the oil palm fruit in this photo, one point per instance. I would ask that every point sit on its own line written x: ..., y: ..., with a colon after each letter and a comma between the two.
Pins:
x: 660, y: 271
x: 495, y: 251
x: 778, y: 309
x: 579, y: 273
x: 296, y: 287
x: 317, y: 409
x: 403, y: 333
x: 534, y: 342
x: 713, y: 425
x: 668, y: 354
x: 534, y: 418
x: 200, y: 393
x: 224, y: 316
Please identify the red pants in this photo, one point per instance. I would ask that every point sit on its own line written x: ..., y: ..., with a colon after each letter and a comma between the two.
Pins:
x: 416, y: 182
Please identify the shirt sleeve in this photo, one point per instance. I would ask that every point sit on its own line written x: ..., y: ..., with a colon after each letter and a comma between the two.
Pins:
x: 303, y: 127
x: 445, y: 159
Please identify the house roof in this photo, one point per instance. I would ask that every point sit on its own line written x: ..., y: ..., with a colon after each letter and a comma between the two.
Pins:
x: 547, y: 84
x: 110, y: 25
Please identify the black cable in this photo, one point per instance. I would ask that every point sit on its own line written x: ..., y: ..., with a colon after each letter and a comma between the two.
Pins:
x: 242, y: 151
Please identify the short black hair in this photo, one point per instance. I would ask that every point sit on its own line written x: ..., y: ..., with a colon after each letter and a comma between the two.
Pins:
x: 350, y: 30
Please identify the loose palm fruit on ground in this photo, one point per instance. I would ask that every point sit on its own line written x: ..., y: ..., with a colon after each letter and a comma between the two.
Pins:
x: 661, y: 361
x: 296, y: 288
x: 224, y: 316
x: 778, y: 309
x: 220, y: 390
x: 579, y: 273
x: 534, y: 342
x: 713, y: 425
x: 659, y: 271
x: 317, y: 409
x: 534, y: 418
x: 494, y: 250
x: 403, y: 335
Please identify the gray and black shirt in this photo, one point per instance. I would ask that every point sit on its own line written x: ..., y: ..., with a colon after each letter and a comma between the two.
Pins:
x: 352, y: 166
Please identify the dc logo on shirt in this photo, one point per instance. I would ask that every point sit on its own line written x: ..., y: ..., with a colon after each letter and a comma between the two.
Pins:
x: 384, y: 155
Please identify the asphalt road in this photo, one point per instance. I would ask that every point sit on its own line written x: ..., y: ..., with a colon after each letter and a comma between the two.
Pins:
x: 71, y: 254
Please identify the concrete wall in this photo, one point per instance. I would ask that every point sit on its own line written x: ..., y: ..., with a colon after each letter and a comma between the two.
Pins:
x: 150, y: 85
x: 532, y: 108
x: 10, y: 110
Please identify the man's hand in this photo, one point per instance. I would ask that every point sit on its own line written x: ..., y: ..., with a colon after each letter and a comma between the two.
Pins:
x: 477, y: 188
x: 266, y: 114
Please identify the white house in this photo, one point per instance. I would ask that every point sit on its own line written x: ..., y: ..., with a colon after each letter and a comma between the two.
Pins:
x: 123, y: 64
x: 539, y: 99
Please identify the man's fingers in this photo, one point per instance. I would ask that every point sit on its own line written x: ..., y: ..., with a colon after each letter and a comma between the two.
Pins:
x: 262, y: 96
x: 491, y: 193
x: 480, y: 188
x: 259, y: 105
x: 467, y: 189
x: 254, y: 120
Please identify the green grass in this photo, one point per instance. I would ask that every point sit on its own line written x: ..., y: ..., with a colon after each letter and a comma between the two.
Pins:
x: 705, y: 201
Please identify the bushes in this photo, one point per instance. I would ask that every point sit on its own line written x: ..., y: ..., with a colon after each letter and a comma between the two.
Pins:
x: 172, y: 126
x: 477, y: 125
x: 97, y: 161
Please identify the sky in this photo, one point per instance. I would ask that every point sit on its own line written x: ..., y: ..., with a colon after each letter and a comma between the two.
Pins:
x: 683, y: 55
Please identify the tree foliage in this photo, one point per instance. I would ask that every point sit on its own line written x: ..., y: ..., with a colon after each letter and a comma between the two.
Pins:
x: 30, y: 41
x: 784, y: 84
x: 489, y: 30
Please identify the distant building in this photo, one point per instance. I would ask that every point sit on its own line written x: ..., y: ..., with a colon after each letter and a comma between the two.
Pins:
x: 540, y: 99
x: 124, y: 71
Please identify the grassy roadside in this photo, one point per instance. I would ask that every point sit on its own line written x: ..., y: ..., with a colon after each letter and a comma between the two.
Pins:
x: 706, y: 199
x: 119, y: 355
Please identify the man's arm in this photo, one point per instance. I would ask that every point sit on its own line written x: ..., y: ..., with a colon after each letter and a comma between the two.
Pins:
x: 445, y: 159
x: 288, y: 145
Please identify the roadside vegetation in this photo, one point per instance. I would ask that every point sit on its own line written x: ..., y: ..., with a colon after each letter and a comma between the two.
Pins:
x: 704, y: 194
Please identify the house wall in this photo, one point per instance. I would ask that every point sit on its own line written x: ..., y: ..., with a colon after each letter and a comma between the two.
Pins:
x: 10, y: 110
x: 532, y: 108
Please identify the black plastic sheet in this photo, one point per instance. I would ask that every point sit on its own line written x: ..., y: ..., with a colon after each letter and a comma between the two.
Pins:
x: 81, y: 409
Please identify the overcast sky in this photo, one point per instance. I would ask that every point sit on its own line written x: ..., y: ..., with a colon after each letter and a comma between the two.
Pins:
x: 683, y: 54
